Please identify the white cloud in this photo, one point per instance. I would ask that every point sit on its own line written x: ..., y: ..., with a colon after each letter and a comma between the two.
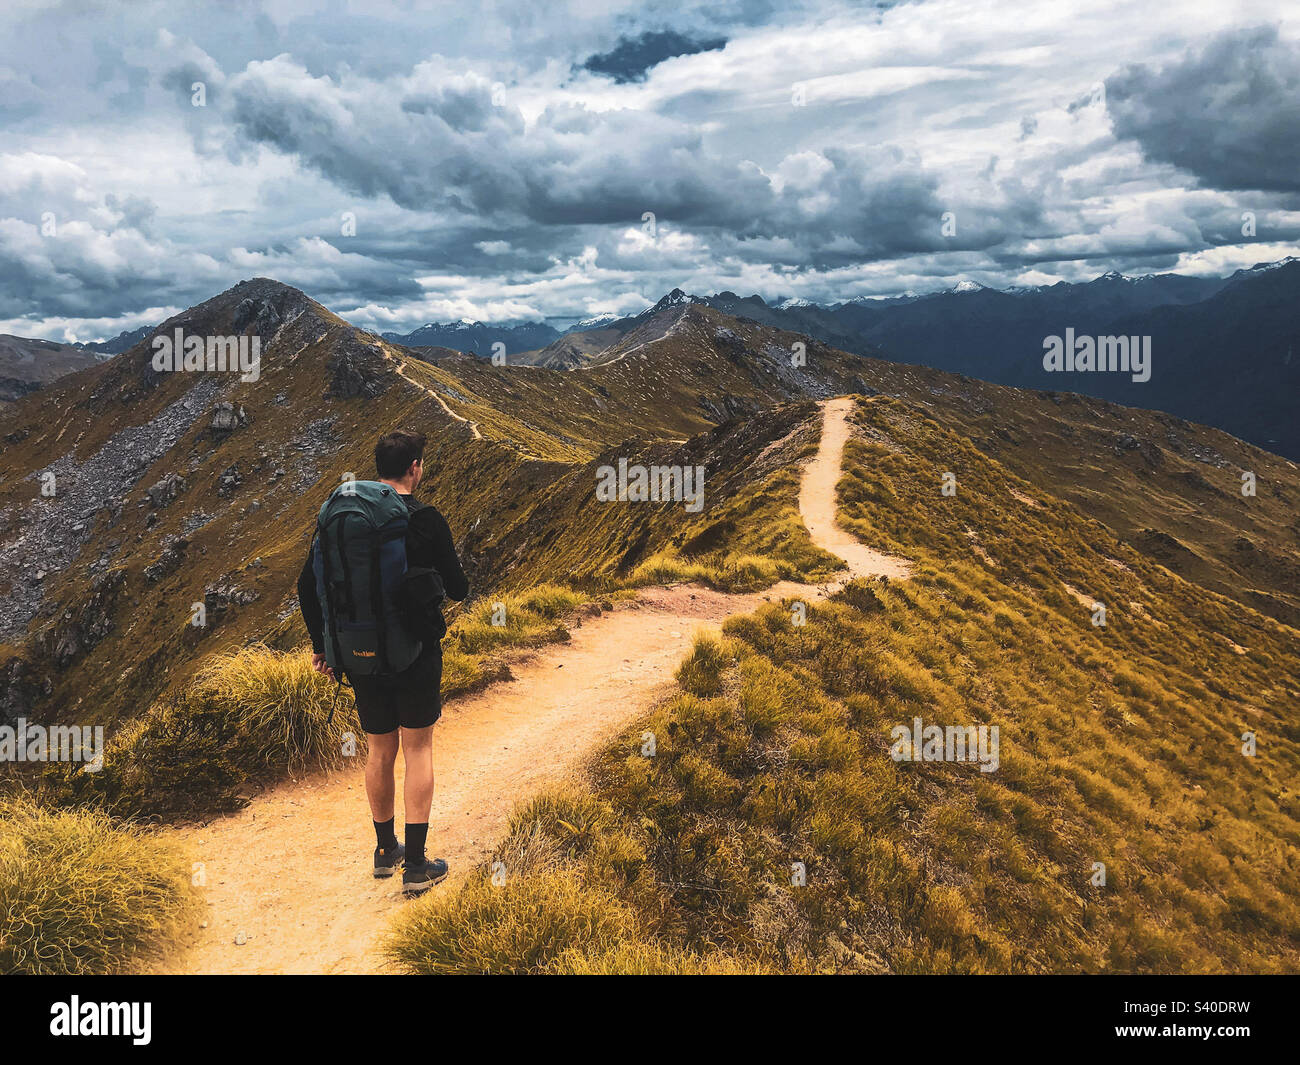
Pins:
x: 497, y: 177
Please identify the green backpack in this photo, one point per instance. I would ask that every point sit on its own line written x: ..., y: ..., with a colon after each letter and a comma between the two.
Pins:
x: 359, y: 560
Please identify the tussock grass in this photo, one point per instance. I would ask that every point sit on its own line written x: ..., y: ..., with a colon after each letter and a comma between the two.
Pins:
x: 520, y: 927
x: 523, y: 619
x: 640, y: 958
x: 462, y: 672
x: 701, y: 671
x: 1119, y: 745
x: 249, y: 717
x: 549, y: 914
x: 665, y: 568
x: 281, y: 703
x: 731, y: 573
x: 83, y: 894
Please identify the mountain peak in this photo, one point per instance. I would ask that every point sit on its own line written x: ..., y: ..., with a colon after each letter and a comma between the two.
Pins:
x: 674, y: 299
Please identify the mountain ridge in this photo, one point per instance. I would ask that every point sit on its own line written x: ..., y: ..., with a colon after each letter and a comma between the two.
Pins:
x: 179, y: 488
x: 1235, y: 373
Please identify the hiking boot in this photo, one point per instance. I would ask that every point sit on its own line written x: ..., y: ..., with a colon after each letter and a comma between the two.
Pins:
x: 418, y: 880
x: 388, y: 861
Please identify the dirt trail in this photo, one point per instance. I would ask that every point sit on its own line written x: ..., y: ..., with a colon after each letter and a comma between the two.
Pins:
x: 817, y: 501
x: 400, y: 370
x: 288, y: 885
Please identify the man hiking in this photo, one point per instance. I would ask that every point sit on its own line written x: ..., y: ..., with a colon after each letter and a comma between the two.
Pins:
x: 370, y: 594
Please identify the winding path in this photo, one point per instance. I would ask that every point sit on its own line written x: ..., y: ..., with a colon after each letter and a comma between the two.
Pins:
x: 288, y: 882
x: 400, y: 370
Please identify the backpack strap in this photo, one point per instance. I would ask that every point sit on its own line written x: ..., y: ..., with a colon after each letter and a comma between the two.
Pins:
x: 339, y: 538
x: 335, y: 704
x: 377, y: 601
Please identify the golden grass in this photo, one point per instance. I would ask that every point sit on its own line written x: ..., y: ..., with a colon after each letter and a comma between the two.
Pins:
x: 701, y: 671
x: 543, y: 912
x: 731, y: 573
x: 1118, y: 745
x: 83, y: 894
x: 632, y: 957
x: 523, y: 926
x: 280, y: 701
x: 249, y: 717
x: 522, y: 619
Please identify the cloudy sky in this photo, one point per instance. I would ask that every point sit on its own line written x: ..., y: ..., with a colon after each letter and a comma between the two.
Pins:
x: 406, y: 162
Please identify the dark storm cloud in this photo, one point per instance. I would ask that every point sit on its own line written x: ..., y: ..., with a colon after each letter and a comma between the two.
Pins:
x: 632, y: 57
x: 455, y: 147
x: 451, y: 147
x: 502, y: 165
x: 1228, y: 113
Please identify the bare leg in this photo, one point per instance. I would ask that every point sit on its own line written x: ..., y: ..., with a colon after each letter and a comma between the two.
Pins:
x: 417, y: 748
x: 380, y: 786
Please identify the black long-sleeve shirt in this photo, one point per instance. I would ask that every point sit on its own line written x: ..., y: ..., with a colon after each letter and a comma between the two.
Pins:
x: 428, y: 543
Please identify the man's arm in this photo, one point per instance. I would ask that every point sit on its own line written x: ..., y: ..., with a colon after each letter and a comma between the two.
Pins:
x: 436, y: 534
x: 308, y: 602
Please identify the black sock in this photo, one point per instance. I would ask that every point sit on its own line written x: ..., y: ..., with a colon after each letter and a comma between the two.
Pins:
x: 385, y: 835
x: 415, y: 837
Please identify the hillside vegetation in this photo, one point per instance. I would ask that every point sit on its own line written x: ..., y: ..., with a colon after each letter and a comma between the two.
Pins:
x: 1120, y: 745
x: 177, y: 489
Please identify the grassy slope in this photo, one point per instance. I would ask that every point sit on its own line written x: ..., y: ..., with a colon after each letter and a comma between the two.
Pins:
x: 249, y: 716
x: 522, y: 496
x: 1119, y: 745
x: 1169, y: 488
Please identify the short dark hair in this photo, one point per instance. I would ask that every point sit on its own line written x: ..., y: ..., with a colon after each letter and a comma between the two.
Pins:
x: 397, y: 450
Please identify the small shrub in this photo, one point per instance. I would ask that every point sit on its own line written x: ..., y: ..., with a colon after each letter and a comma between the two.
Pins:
x: 249, y: 716
x: 521, y: 927
x: 701, y: 672
x: 81, y: 894
x: 638, y: 958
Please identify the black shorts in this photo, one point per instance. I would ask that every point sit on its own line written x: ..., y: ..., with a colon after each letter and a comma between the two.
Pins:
x: 411, y: 699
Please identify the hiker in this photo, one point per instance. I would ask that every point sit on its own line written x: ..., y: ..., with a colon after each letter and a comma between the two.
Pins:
x: 374, y: 614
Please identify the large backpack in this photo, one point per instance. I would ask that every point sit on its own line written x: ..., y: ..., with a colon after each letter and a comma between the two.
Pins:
x: 360, y: 561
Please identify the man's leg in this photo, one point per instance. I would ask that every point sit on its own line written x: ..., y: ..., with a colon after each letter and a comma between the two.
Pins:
x: 380, y: 763
x: 419, y: 708
x: 417, y: 749
x: 377, y: 714
x: 380, y: 785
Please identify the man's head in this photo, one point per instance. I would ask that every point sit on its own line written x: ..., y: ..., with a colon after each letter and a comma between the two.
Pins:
x: 399, y: 458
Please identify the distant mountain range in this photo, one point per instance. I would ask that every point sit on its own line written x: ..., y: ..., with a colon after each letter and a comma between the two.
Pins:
x: 1223, y: 349
x: 477, y: 338
x: 26, y: 364
x: 124, y: 341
